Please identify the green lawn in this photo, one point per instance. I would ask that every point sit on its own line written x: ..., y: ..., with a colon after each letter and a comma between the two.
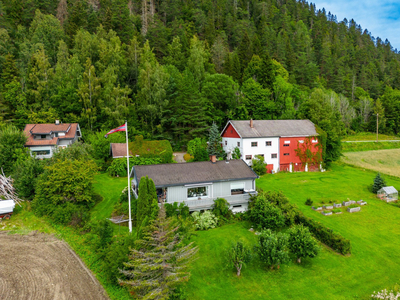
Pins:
x: 374, y: 233
x: 369, y: 136
x: 368, y: 146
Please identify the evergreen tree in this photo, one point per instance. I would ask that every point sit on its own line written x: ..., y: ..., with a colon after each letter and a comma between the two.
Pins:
x: 159, y: 262
x: 379, y: 183
x: 214, y: 142
x: 147, y: 207
x: 245, y: 51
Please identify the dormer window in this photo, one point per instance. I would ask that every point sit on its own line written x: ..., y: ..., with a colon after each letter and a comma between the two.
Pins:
x: 43, y: 136
x: 56, y: 134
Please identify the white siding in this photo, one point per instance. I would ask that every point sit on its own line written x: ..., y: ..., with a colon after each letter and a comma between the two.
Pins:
x: 262, y: 149
x: 42, y: 148
x: 232, y: 143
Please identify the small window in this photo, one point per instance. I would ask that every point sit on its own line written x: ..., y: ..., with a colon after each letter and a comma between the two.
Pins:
x: 231, y: 130
x: 314, y: 141
x: 201, y: 191
x: 254, y: 144
x: 301, y: 141
x: 238, y: 144
x: 56, y: 134
x: 286, y: 145
x: 285, y: 154
x: 236, y: 206
x: 262, y: 155
x: 248, y: 157
x: 226, y: 143
x: 268, y: 143
x: 41, y: 152
x: 237, y: 188
x: 43, y: 137
x: 274, y: 155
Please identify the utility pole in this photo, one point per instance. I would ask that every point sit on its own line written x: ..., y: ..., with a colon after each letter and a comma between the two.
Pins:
x: 377, y: 126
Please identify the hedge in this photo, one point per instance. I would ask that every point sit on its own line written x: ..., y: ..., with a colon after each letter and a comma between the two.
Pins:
x: 118, y: 165
x: 325, y: 235
x: 152, y: 149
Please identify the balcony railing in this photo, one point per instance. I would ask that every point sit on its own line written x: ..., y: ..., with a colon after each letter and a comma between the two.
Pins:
x: 207, y: 203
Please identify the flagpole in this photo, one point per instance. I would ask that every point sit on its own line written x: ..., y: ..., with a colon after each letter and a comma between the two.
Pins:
x: 129, y: 181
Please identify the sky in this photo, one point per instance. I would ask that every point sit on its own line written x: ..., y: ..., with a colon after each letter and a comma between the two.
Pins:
x: 380, y: 17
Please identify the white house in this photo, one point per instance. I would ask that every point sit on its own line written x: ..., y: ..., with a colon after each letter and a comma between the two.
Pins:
x: 198, y: 184
x: 270, y: 139
x: 44, y: 139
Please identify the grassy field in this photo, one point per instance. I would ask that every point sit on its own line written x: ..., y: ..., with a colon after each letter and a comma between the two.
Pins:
x: 369, y: 136
x: 369, y: 146
x: 374, y: 234
x: 384, y: 161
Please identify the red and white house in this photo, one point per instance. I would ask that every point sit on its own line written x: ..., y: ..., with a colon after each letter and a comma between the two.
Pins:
x: 275, y: 140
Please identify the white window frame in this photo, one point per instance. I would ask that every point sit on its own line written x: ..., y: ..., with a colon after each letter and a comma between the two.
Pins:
x: 255, y: 143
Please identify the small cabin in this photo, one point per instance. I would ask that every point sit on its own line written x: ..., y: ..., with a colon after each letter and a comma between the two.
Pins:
x: 388, y: 194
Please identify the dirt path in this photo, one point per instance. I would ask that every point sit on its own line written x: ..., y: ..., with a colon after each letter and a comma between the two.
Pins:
x: 39, y: 266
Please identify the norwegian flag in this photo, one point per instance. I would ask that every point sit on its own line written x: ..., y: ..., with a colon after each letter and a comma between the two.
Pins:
x: 120, y: 128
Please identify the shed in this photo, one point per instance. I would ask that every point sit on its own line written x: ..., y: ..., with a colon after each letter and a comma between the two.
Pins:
x: 388, y: 194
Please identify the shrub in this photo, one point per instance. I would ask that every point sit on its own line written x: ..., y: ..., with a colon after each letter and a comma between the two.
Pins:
x: 263, y: 214
x: 70, y: 214
x: 301, y: 243
x: 272, y: 248
x: 205, y: 221
x: 152, y: 149
x: 236, y: 153
x: 188, y: 157
x: 221, y: 209
x: 309, y: 202
x: 177, y: 209
x: 238, y: 255
x: 118, y: 166
x: 104, y: 231
x: 325, y: 235
x: 258, y: 165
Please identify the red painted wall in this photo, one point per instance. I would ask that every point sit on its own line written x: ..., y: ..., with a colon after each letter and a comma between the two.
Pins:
x: 230, y: 132
x: 292, y: 157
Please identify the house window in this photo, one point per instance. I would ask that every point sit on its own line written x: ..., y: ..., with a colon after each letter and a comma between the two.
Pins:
x: 268, y: 143
x: 226, y: 143
x: 248, y: 157
x: 286, y: 145
x: 262, y: 155
x: 41, y: 152
x: 56, y: 134
x: 231, y: 130
x: 43, y: 137
x: 285, y: 154
x: 254, y: 144
x: 314, y: 141
x: 274, y: 155
x: 237, y: 188
x: 301, y: 141
x: 238, y: 144
x: 196, y: 192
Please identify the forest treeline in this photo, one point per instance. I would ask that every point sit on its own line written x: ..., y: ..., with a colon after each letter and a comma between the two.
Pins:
x: 171, y: 67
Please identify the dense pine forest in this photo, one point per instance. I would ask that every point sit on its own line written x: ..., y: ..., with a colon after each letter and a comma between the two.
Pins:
x: 173, y: 67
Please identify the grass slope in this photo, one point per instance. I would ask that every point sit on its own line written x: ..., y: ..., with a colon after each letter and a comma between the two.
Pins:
x: 369, y: 136
x: 384, y: 161
x: 374, y: 234
x: 368, y: 146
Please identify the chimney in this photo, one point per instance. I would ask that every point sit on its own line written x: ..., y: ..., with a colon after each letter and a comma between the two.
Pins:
x: 251, y: 123
x: 57, y: 122
x: 213, y: 158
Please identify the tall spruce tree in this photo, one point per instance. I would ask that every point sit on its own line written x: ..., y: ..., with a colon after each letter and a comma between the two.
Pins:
x: 214, y: 142
x: 147, y: 207
x: 160, y: 261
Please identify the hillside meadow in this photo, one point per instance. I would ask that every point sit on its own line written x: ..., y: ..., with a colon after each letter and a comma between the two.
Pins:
x: 385, y: 161
x: 374, y: 233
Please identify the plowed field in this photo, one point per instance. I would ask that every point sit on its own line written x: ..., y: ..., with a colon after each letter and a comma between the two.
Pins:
x: 39, y: 266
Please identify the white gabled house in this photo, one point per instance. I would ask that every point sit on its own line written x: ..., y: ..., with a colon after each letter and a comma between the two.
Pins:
x: 198, y: 184
x: 275, y: 140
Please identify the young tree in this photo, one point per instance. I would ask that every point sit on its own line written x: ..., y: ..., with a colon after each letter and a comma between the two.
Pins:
x: 258, y: 165
x: 11, y: 145
x: 159, y: 262
x: 264, y: 214
x: 272, y: 248
x: 238, y: 255
x: 301, y: 242
x: 147, y: 206
x: 379, y: 183
x: 236, y: 153
x: 214, y: 142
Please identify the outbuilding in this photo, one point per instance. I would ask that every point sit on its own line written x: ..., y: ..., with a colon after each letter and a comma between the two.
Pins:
x: 388, y: 194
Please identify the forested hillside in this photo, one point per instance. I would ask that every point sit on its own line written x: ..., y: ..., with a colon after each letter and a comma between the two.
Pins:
x: 173, y: 67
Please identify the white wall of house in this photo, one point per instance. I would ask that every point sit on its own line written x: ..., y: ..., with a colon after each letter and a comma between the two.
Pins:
x: 64, y: 142
x: 229, y: 144
x: 42, y: 148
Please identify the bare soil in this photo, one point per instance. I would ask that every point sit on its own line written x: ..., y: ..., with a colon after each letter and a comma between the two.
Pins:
x: 39, y: 266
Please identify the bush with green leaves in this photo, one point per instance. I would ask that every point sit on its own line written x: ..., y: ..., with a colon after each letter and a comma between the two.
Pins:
x: 12, y: 143
x: 25, y: 175
x: 264, y: 214
x: 104, y: 232
x: 237, y: 256
x: 379, y: 183
x: 177, y: 209
x: 236, y: 153
x: 301, y: 242
x: 221, y: 209
x: 204, y: 221
x: 272, y: 248
x: 258, y: 165
x: 196, y: 144
x: 309, y: 202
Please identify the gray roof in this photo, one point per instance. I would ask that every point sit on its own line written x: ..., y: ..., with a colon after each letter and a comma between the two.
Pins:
x: 388, y: 190
x: 268, y: 128
x: 195, y: 172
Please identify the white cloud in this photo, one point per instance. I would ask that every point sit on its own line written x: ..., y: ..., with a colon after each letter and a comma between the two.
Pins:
x: 380, y: 18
